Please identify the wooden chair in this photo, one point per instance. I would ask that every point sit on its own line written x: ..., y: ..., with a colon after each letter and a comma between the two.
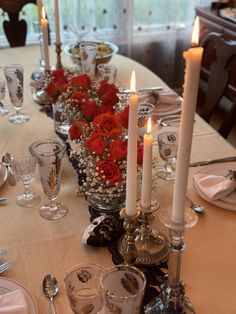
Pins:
x: 217, y: 86
x: 15, y: 29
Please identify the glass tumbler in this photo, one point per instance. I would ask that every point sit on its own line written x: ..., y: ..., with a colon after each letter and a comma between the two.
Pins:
x: 14, y: 74
x: 49, y: 154
x: 83, y: 289
x: 107, y: 72
x: 88, y: 58
x: 123, y: 289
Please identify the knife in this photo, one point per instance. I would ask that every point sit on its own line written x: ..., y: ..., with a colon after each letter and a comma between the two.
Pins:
x: 145, y: 89
x: 212, y: 161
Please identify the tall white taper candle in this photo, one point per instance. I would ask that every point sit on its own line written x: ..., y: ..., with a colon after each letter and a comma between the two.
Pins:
x: 131, y: 179
x: 57, y: 22
x: 193, y: 59
x: 44, y: 29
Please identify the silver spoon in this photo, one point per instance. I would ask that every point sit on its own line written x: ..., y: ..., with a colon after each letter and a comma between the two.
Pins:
x: 50, y: 289
x: 6, y: 161
x: 198, y: 208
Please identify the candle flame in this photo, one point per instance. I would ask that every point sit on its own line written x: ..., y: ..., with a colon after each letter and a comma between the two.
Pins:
x: 133, y: 82
x: 43, y: 13
x: 195, y: 34
x: 149, y: 125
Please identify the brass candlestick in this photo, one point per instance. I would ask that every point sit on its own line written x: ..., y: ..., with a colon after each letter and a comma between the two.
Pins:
x: 126, y: 246
x: 58, y: 52
x: 150, y: 243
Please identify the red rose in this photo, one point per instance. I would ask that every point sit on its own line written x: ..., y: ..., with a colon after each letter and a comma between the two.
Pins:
x: 95, y: 144
x: 118, y: 150
x: 77, y: 98
x: 89, y: 108
x: 109, y: 172
x: 140, y: 153
x: 77, y: 128
x: 52, y: 90
x: 81, y: 82
x: 109, y: 98
x: 107, y: 124
x: 103, y: 109
x: 124, y: 117
x: 59, y: 76
x: 105, y: 87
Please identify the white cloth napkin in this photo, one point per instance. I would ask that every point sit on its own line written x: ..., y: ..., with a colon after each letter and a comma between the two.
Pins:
x: 213, y: 186
x: 13, y: 303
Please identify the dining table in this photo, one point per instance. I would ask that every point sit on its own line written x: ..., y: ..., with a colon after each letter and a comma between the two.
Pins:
x: 38, y: 246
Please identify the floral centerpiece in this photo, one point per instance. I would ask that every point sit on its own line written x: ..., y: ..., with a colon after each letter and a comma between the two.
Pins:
x: 97, y: 135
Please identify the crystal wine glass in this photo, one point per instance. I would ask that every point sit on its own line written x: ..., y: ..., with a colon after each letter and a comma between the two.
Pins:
x: 49, y: 154
x: 24, y: 169
x: 14, y: 74
x: 3, y: 111
x: 167, y: 143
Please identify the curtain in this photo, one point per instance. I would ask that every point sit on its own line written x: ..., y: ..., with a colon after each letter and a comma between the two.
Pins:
x: 153, y: 32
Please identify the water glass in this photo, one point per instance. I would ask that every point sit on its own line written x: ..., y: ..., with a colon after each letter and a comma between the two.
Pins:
x: 49, y: 154
x: 83, y: 289
x: 123, y: 289
x: 3, y: 111
x: 88, y: 58
x: 14, y: 74
x: 168, y: 144
x: 107, y: 72
x: 24, y: 170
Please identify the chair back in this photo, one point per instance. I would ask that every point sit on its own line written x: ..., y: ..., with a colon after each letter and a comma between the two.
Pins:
x: 217, y: 86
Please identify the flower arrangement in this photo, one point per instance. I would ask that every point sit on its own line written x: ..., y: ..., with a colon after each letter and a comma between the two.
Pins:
x: 98, y: 120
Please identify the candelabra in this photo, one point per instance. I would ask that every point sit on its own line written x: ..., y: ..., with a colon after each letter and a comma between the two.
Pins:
x: 39, y: 72
x: 151, y: 245
x: 126, y: 246
x: 172, y: 299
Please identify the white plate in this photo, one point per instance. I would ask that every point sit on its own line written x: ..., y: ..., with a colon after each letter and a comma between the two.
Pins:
x: 9, y: 285
x: 218, y: 169
x: 3, y: 174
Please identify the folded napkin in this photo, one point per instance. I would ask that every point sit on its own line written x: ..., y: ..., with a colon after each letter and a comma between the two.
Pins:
x: 13, y: 303
x: 214, y: 187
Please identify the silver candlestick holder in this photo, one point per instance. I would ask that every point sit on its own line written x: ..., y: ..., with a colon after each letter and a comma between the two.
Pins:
x: 150, y: 243
x: 39, y: 72
x: 172, y: 299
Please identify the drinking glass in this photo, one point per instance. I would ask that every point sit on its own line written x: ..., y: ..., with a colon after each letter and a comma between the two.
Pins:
x: 49, y: 154
x: 107, y: 72
x: 24, y: 168
x: 83, y: 289
x: 3, y: 111
x: 123, y: 289
x: 88, y: 58
x: 14, y: 76
x: 168, y: 143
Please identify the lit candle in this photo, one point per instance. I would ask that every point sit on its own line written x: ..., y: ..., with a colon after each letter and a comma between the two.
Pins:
x: 146, y: 190
x: 131, y: 179
x: 44, y: 29
x: 57, y: 23
x: 193, y: 59
x: 39, y: 5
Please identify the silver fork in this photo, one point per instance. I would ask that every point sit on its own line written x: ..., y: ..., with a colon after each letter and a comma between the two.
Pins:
x: 5, y: 266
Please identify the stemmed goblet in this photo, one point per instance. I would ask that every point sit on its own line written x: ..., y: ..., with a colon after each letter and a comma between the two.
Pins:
x: 14, y: 74
x: 49, y: 154
x: 167, y: 143
x: 24, y: 168
x: 3, y: 111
